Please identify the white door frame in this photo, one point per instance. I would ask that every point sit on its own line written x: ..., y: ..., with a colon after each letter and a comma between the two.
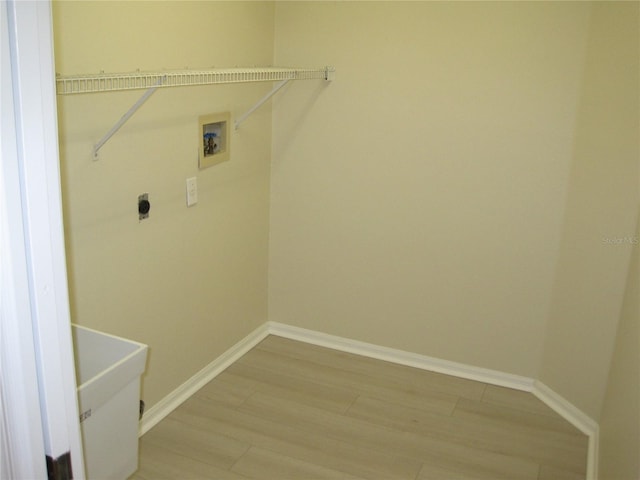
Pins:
x: 37, y: 374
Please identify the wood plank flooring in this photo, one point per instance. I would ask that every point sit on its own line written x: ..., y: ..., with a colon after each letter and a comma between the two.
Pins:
x: 292, y: 411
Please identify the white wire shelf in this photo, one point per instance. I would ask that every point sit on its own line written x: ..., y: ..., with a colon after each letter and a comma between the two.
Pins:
x: 151, y: 81
x: 110, y: 82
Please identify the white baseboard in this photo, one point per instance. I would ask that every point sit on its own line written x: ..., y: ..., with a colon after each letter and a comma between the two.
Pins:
x: 577, y: 418
x: 402, y: 357
x: 556, y: 402
x: 560, y: 405
x: 172, y: 401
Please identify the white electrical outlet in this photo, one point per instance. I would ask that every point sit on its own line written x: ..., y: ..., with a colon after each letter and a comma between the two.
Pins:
x: 192, y: 191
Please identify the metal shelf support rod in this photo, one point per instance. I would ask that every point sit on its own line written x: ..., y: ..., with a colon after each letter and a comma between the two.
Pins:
x: 245, y: 115
x: 125, y: 117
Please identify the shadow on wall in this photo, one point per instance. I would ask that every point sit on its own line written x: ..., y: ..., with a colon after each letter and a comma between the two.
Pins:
x: 296, y: 115
x: 598, y: 237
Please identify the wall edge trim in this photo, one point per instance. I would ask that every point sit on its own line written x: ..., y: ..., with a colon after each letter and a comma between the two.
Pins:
x: 577, y: 418
x: 402, y: 357
x: 174, y: 399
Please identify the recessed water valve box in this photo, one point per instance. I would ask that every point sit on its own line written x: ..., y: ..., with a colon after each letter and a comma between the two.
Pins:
x: 213, y: 137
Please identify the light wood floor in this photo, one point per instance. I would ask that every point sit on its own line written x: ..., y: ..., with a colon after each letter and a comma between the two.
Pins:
x: 289, y: 410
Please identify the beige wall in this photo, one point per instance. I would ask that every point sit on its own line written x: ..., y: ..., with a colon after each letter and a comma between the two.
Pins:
x: 449, y: 194
x: 600, y: 215
x: 620, y: 420
x: 189, y: 282
x: 417, y: 202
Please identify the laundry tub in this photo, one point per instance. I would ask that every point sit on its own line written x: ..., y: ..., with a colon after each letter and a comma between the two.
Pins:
x: 108, y: 370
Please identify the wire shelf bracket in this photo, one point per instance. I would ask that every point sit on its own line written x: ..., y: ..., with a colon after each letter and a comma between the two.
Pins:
x: 152, y: 81
x: 246, y: 115
x: 124, y: 119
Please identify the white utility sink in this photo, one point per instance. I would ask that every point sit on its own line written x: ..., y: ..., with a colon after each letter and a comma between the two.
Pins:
x: 108, y: 370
